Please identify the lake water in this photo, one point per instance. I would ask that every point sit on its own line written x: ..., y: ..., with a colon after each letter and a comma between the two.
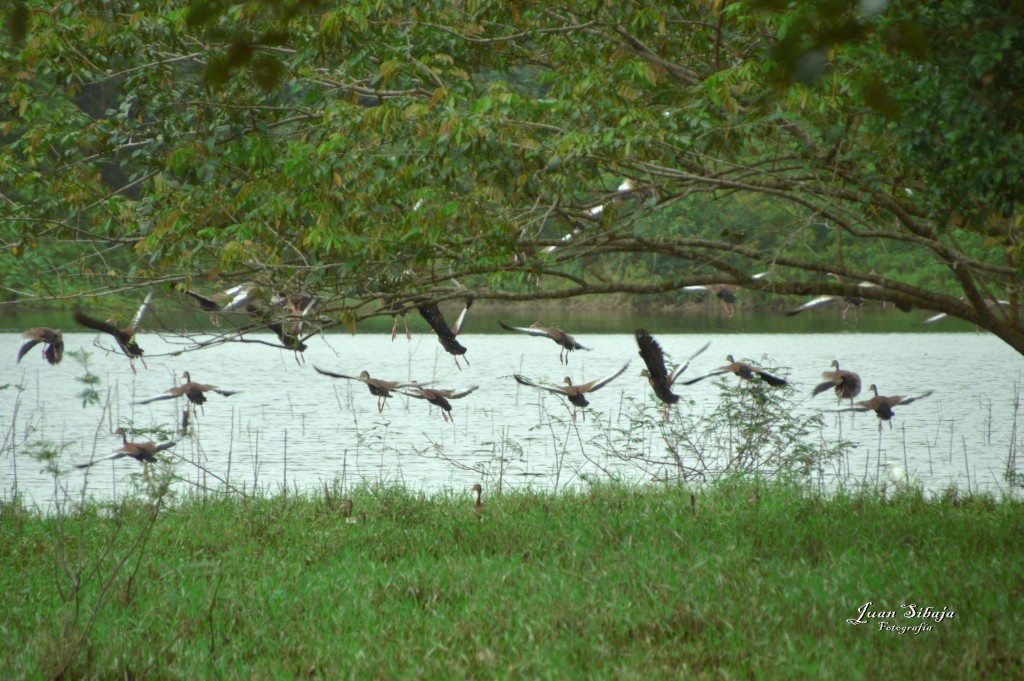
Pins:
x: 292, y: 426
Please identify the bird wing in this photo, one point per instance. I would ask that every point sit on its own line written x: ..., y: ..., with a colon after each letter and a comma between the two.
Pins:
x: 455, y: 396
x: 432, y: 313
x: 96, y: 324
x: 225, y: 393
x: 239, y: 298
x: 165, y: 445
x: 462, y: 317
x: 550, y: 388
x: 822, y: 387
x: 142, y: 309
x: 334, y: 375
x: 653, y: 356
x: 716, y: 372
x: 934, y: 318
x: 770, y: 379
x: 525, y: 329
x: 27, y: 346
x: 165, y: 396
x: 836, y: 411
x: 208, y: 304
x: 680, y: 369
x: 602, y: 382
x: 908, y: 400
x: 116, y: 455
x: 812, y: 303
x: 696, y: 288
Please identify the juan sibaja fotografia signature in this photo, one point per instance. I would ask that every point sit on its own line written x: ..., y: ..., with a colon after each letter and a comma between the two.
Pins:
x: 890, y: 620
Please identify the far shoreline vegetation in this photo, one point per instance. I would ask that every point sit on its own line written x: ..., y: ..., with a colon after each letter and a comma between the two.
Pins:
x: 738, y: 578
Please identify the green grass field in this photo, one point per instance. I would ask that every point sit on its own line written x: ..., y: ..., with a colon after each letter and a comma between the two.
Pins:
x: 614, y: 582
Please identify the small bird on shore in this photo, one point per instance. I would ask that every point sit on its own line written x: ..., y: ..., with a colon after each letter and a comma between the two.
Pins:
x: 445, y: 335
x: 846, y: 383
x: 743, y: 370
x: 439, y: 398
x: 380, y: 388
x: 194, y: 392
x: 567, y: 342
x: 52, y: 340
x: 657, y: 372
x: 144, y: 452
x: 575, y: 393
x: 125, y: 337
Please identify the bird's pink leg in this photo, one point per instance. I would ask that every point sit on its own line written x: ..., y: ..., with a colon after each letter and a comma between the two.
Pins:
x: 394, y: 330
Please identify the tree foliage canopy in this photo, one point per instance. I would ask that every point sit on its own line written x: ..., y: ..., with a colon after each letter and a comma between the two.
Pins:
x: 424, y: 150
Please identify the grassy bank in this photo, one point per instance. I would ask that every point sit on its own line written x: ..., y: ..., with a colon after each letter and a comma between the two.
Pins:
x: 742, y: 582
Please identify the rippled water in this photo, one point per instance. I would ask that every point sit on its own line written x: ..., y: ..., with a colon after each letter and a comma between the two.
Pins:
x: 291, y: 426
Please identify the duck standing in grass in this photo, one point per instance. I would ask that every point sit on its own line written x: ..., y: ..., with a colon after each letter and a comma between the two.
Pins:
x: 478, y: 507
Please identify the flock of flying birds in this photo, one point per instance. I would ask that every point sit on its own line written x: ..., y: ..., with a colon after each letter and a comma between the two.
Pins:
x: 295, y: 309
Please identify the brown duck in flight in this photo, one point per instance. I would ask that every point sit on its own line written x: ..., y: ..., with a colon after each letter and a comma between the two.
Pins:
x: 846, y: 383
x: 195, y: 392
x: 124, y: 336
x: 380, y: 388
x: 140, y: 451
x: 439, y: 398
x: 882, y: 404
x: 575, y: 393
x: 743, y: 370
x: 445, y: 334
x: 52, y: 340
x: 567, y: 342
x: 657, y: 373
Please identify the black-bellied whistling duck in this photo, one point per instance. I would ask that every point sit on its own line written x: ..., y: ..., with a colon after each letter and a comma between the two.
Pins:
x: 235, y: 299
x: 743, y: 370
x: 567, y: 342
x: 195, y: 392
x: 52, y: 340
x: 820, y: 301
x: 724, y: 292
x: 846, y: 383
x: 439, y: 398
x: 657, y: 372
x: 125, y: 337
x: 575, y: 393
x: 140, y: 451
x: 445, y: 335
x: 478, y: 507
x: 882, y: 404
x: 346, y: 511
x: 380, y: 388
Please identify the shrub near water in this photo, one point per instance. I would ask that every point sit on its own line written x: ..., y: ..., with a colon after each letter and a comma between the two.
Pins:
x: 615, y: 581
